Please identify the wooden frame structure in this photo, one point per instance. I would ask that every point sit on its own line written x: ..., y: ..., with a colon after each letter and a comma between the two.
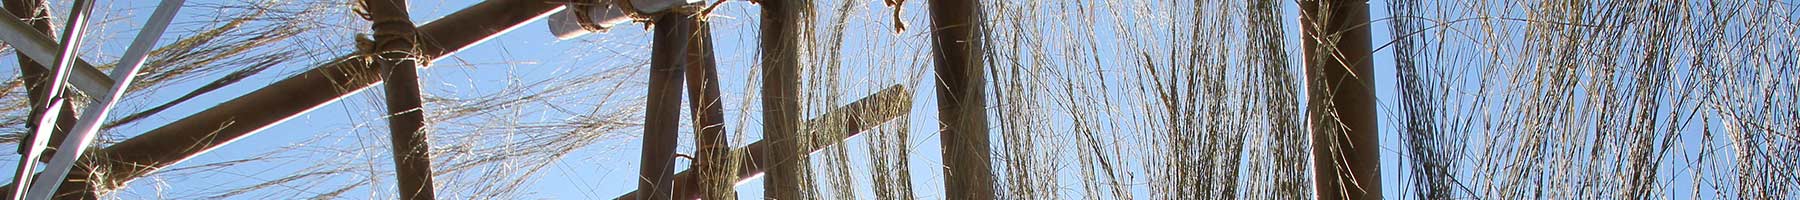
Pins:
x: 681, y: 42
x: 1336, y: 63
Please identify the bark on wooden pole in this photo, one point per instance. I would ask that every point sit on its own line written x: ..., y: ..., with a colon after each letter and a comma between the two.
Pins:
x: 398, y: 56
x: 782, y: 22
x: 287, y: 98
x: 962, y: 99
x: 712, y: 152
x: 1341, y: 99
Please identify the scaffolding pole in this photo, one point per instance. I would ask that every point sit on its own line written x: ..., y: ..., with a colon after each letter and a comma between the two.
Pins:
x: 30, y: 43
x: 92, y: 117
x: 287, y: 98
x: 1341, y: 99
x: 33, y: 73
x: 962, y: 98
x: 53, y: 95
x: 834, y: 126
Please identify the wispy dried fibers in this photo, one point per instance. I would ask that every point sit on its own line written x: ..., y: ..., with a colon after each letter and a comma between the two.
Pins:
x: 1584, y: 99
x: 1197, y: 99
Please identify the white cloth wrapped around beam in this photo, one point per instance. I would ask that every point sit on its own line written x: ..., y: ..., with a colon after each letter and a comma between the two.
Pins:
x: 568, y: 24
x: 585, y: 17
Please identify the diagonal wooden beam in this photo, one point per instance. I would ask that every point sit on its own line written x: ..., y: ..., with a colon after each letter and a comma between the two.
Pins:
x: 832, y: 128
x: 298, y: 94
x: 396, y: 53
x: 712, y: 151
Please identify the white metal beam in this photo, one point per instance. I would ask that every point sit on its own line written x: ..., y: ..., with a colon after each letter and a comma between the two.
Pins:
x: 40, y: 47
x: 92, y: 117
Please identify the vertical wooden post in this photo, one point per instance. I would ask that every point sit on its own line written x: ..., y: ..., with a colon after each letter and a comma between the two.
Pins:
x: 712, y: 155
x: 962, y: 100
x: 782, y: 21
x: 1341, y: 99
x: 656, y: 175
x: 398, y: 57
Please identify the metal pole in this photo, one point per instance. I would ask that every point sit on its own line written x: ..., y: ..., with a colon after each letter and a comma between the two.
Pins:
x: 30, y: 43
x: 782, y: 22
x: 663, y: 112
x: 31, y: 146
x: 71, y: 48
x: 712, y: 152
x: 962, y: 98
x: 1341, y: 96
x: 282, y: 100
x: 92, y: 117
x: 395, y: 52
x: 835, y: 126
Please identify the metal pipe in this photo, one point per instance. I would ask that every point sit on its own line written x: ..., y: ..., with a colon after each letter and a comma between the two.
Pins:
x: 395, y: 52
x: 36, y: 45
x: 661, y: 117
x: 31, y: 146
x: 71, y: 48
x: 1341, y: 96
x: 285, y: 99
x: 781, y: 25
x: 962, y: 97
x: 91, y: 118
x: 838, y: 124
x: 712, y: 152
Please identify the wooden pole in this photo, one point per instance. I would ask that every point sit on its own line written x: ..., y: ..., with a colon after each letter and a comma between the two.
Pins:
x: 782, y: 22
x: 287, y: 98
x: 661, y: 117
x: 846, y: 121
x: 398, y: 56
x: 1341, y: 99
x: 712, y: 152
x: 962, y: 97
